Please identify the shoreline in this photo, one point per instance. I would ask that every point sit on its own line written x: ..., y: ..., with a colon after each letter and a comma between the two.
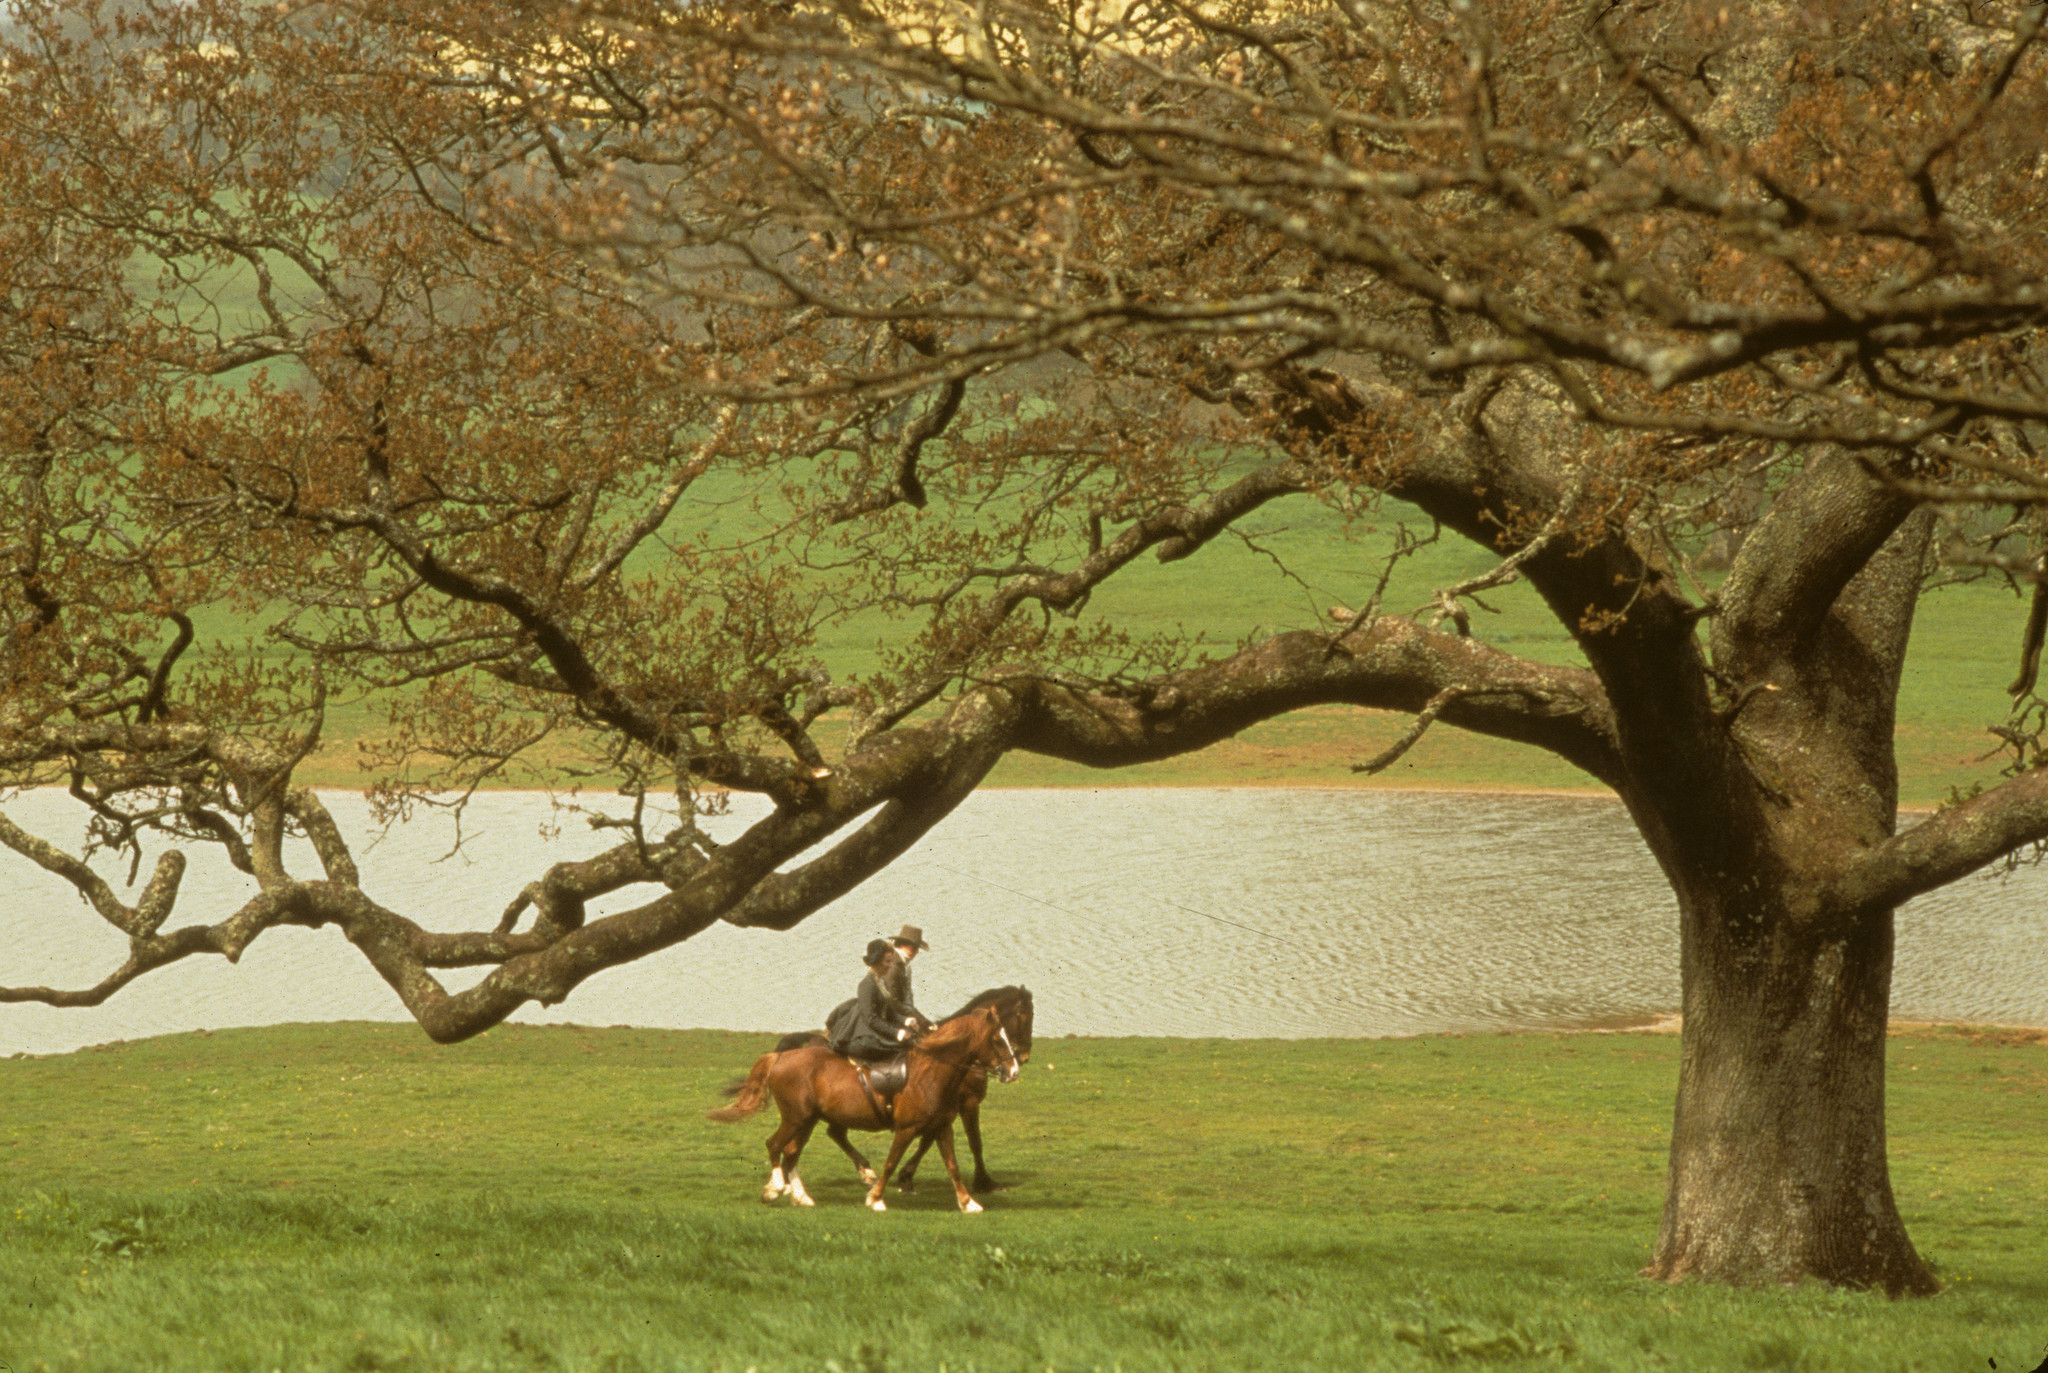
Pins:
x: 1439, y: 788
x: 1517, y: 789
x: 1672, y: 1022
x: 1664, y: 1025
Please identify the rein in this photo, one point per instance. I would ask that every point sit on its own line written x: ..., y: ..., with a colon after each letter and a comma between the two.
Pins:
x: 985, y: 1057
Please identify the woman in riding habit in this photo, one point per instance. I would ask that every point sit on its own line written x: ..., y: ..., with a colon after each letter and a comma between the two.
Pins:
x: 882, y: 1019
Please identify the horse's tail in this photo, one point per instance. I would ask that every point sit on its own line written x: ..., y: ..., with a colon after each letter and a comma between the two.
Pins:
x: 749, y: 1093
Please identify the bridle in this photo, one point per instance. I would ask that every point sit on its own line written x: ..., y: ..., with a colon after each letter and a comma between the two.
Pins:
x: 1009, y: 1070
x: 992, y: 1057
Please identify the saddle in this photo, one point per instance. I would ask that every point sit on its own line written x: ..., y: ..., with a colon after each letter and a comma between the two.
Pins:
x: 882, y: 1080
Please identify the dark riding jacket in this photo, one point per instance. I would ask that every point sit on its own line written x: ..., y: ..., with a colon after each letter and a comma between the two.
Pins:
x: 869, y: 1025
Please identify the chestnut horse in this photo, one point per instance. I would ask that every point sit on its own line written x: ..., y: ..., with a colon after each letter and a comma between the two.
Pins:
x: 1014, y: 1005
x: 813, y: 1083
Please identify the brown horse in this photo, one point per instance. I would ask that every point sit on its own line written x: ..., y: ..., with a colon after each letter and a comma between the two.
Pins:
x: 1013, y: 1004
x: 812, y: 1083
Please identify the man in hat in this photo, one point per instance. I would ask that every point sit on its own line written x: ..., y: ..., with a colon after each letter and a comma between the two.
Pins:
x: 882, y: 1018
x: 908, y: 941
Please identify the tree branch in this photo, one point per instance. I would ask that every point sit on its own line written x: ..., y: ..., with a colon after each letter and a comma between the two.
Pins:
x: 1389, y: 664
x: 1950, y: 844
x: 1818, y: 535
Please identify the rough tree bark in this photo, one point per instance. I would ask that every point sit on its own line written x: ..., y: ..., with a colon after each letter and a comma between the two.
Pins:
x: 1778, y: 1163
x: 1757, y: 774
x: 1778, y: 1144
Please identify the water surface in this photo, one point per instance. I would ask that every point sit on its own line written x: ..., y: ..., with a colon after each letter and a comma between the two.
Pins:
x: 1170, y: 911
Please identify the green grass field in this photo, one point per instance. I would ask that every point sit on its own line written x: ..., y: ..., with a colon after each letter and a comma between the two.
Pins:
x: 350, y: 1197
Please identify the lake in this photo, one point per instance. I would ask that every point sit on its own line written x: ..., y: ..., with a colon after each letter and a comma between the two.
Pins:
x: 1171, y: 911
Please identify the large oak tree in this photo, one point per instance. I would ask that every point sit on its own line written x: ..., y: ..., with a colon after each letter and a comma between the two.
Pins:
x: 570, y: 377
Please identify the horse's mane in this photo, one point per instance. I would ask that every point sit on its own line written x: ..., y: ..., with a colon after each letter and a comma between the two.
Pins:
x: 954, y: 1029
x: 989, y: 998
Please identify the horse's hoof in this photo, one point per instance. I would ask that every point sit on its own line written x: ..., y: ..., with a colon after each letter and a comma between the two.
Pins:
x: 907, y: 1185
x: 971, y: 1207
x: 804, y: 1200
x: 869, y: 1176
x: 878, y: 1205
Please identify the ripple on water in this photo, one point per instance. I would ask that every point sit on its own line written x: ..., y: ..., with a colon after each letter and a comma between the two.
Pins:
x: 1240, y: 913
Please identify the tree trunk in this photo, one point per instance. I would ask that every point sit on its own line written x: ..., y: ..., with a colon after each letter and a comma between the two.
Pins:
x: 1778, y: 1168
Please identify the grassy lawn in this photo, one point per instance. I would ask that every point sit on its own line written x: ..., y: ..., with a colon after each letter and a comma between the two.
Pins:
x: 351, y: 1197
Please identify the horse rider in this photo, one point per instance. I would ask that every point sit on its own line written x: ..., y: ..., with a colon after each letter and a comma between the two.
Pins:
x: 882, y: 1019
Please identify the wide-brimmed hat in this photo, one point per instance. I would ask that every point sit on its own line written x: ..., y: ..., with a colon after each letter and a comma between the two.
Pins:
x: 913, y: 936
